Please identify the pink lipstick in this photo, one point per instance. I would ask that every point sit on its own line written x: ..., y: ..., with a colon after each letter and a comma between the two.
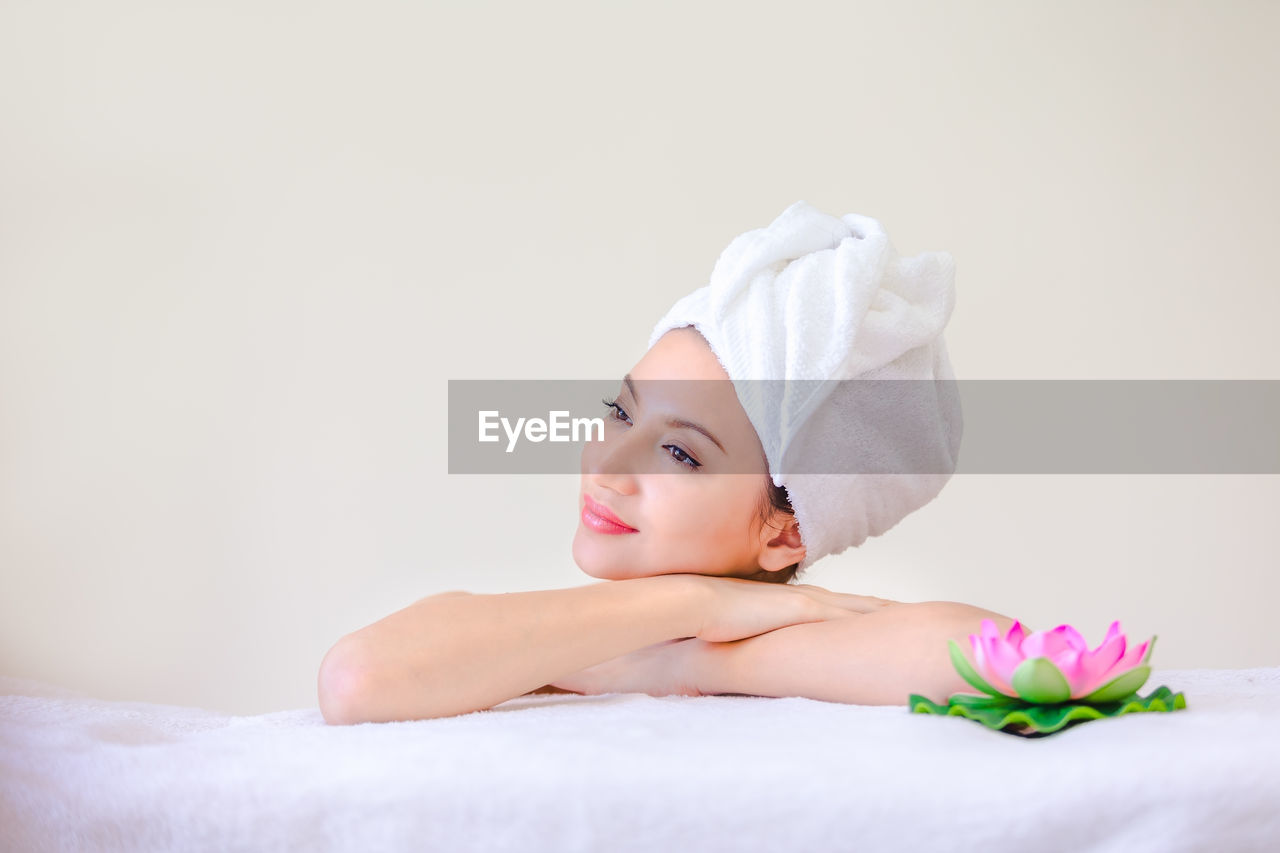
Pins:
x: 598, y: 517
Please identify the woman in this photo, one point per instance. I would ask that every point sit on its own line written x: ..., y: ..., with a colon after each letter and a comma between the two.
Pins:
x: 684, y: 520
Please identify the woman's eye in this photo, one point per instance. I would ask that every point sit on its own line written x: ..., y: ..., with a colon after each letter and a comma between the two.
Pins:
x: 682, y: 457
x: 620, y: 414
x: 677, y: 453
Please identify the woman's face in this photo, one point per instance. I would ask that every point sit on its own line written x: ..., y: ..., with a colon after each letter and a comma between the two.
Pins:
x: 691, y: 503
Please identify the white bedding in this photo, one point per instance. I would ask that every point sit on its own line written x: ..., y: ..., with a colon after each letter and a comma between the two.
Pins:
x: 627, y: 772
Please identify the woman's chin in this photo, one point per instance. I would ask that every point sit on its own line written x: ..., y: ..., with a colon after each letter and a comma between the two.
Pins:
x: 604, y: 573
x: 599, y: 562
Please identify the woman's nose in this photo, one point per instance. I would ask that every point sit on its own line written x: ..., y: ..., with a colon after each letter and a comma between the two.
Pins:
x: 613, y: 461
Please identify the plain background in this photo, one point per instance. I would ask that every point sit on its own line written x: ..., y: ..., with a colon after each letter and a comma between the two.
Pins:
x: 243, y: 247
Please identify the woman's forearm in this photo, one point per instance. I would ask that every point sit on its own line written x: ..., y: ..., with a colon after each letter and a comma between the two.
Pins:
x: 875, y: 658
x: 455, y: 653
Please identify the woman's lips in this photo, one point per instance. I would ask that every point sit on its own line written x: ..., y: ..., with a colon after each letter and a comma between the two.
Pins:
x: 598, y: 518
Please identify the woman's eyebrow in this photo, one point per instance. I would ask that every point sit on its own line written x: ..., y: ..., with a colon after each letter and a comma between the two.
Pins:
x: 678, y: 422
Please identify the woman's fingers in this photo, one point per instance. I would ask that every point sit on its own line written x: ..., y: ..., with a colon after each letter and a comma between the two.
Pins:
x: 847, y: 600
x: 735, y: 608
x: 835, y: 612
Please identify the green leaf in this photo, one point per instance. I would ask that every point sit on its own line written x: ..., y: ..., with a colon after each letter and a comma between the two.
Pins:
x: 1028, y: 719
x: 1120, y: 686
x: 1039, y: 680
x: 967, y: 672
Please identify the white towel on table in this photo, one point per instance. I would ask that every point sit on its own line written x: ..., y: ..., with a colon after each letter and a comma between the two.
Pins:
x: 629, y: 772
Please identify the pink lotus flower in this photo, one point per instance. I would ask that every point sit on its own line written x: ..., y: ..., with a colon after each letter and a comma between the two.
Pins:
x: 1047, y: 667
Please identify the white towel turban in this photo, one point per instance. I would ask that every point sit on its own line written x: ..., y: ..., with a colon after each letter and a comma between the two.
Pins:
x: 820, y: 298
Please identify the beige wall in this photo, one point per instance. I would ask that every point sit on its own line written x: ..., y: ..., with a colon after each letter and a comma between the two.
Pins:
x: 243, y: 247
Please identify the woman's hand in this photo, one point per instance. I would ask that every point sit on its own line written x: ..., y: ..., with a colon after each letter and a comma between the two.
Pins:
x: 736, y: 608
x: 877, y: 659
x: 663, y: 669
x: 848, y: 600
x: 683, y: 667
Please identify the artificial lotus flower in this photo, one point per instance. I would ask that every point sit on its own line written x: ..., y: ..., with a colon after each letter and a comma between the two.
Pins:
x: 1047, y: 667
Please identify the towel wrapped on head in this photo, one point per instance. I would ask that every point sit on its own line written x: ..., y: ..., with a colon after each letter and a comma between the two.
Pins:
x: 793, y: 311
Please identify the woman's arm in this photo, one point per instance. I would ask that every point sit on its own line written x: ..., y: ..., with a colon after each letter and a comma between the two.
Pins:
x: 458, y: 652
x: 875, y: 658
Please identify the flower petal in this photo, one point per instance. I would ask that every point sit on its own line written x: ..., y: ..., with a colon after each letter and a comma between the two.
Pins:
x: 1074, y: 638
x: 1151, y: 648
x: 1121, y: 686
x: 1133, y: 656
x: 1002, y: 659
x: 1017, y: 631
x: 986, y: 669
x: 1068, y: 662
x: 1038, y: 680
x: 1046, y: 643
x: 1099, y: 666
x: 966, y: 670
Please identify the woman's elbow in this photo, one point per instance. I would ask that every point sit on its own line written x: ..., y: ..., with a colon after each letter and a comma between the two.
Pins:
x: 356, y: 686
x: 966, y: 618
x: 342, y: 684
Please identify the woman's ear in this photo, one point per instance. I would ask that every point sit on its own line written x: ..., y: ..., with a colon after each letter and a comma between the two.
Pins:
x: 781, y: 547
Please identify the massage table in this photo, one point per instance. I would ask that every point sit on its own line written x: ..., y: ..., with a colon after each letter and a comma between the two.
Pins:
x: 631, y: 772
